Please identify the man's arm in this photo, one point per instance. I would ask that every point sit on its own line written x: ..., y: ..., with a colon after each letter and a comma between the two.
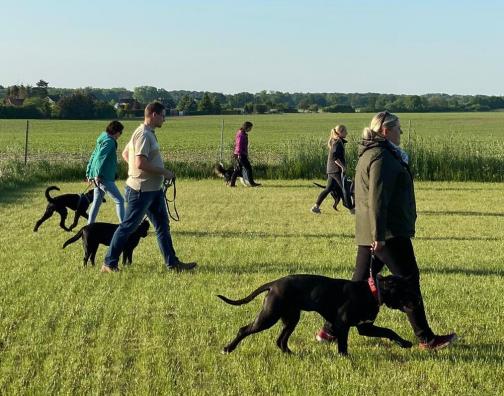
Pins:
x: 144, y: 164
x: 125, y: 153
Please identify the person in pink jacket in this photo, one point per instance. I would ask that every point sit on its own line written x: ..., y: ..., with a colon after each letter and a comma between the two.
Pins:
x: 242, y: 164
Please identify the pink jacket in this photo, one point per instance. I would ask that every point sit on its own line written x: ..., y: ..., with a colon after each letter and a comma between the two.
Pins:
x: 241, y: 143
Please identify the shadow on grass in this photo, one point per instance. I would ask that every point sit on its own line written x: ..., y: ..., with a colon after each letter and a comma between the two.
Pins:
x: 472, y: 189
x: 462, y: 271
x: 461, y: 213
x: 260, y: 234
x: 257, y: 234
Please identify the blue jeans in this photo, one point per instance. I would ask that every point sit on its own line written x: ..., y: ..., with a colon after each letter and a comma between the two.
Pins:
x: 141, y: 203
x: 110, y: 188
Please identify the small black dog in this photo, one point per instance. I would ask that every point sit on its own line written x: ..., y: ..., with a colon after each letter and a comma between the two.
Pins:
x: 96, y: 233
x: 348, y: 199
x: 342, y: 303
x: 226, y: 173
x: 77, y: 202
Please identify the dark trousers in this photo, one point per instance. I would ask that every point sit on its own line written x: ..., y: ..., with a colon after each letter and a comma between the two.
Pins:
x: 399, y: 257
x: 333, y: 186
x: 242, y: 167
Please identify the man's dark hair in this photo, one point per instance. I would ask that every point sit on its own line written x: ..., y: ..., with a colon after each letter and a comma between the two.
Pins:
x: 154, y: 107
x: 246, y: 125
x: 114, y: 127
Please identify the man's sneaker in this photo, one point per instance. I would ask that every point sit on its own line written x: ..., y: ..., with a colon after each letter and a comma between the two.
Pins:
x: 324, y: 336
x: 352, y: 211
x: 315, y: 209
x: 438, y: 342
x: 106, y: 269
x: 180, y: 266
x: 254, y: 184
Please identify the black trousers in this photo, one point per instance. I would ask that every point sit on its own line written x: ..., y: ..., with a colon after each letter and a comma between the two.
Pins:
x: 399, y: 257
x: 242, y: 167
x: 333, y: 186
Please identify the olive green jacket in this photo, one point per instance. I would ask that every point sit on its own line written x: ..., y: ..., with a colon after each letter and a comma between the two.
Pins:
x: 384, y: 195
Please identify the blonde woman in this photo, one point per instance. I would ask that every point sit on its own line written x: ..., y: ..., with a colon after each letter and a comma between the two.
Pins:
x: 335, y: 167
x: 385, y: 215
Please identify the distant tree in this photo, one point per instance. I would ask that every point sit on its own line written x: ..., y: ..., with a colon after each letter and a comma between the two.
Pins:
x: 104, y: 110
x: 314, y: 108
x: 216, y: 105
x: 78, y: 106
x: 40, y: 90
x: 303, y: 104
x: 248, y: 108
x: 205, y: 104
x: 42, y: 104
x: 164, y: 97
x: 145, y: 94
x: 338, y: 109
x: 186, y: 104
x: 260, y: 108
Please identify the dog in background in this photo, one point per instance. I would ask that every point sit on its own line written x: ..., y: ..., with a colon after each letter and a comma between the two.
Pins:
x: 226, y: 173
x: 343, y: 303
x: 76, y: 202
x: 101, y: 233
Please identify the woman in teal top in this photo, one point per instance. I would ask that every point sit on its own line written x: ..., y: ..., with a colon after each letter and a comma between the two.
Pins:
x: 102, y: 170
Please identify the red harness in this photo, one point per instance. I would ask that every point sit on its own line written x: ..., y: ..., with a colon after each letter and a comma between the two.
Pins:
x: 375, y: 291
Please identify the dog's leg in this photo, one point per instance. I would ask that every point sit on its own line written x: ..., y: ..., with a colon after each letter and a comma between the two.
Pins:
x: 63, y: 214
x: 342, y: 335
x: 370, y: 330
x: 266, y: 318
x: 290, y: 323
x: 76, y: 220
x: 48, y: 213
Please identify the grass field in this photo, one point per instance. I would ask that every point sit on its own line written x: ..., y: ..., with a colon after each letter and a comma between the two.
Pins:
x: 65, y: 329
x: 444, y: 146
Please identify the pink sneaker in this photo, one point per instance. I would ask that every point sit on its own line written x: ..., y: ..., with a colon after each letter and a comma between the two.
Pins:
x: 324, y: 336
x: 438, y: 342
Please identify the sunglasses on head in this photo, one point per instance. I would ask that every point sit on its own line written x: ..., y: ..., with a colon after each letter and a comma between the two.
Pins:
x: 385, y: 114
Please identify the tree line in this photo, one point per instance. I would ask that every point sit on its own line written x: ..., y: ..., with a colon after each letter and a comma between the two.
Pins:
x: 43, y: 101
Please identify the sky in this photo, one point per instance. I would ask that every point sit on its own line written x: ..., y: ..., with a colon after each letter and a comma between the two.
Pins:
x: 231, y: 46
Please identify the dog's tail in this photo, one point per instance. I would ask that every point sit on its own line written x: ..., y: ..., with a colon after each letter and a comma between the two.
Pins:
x: 219, y: 170
x: 249, y: 298
x: 319, y: 185
x: 75, y: 238
x: 49, y: 189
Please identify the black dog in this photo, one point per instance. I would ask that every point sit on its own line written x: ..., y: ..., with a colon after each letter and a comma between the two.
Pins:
x: 349, y: 194
x: 342, y: 303
x: 226, y: 173
x: 76, y: 202
x: 96, y: 233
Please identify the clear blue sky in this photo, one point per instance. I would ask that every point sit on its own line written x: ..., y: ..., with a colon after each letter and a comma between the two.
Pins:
x: 229, y: 46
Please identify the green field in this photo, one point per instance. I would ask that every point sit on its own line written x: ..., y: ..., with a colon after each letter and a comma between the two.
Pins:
x: 444, y: 146
x: 65, y: 329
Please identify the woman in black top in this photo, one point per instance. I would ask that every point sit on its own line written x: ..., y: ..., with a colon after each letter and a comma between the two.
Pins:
x: 335, y: 166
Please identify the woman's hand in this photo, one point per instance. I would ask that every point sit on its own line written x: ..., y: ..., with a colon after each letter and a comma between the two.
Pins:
x: 377, y: 245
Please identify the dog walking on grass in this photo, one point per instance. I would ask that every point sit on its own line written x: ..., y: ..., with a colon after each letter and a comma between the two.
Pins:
x: 343, y: 303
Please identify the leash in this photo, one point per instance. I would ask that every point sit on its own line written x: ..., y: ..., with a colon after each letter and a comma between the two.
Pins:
x: 374, y: 283
x: 82, y: 194
x: 167, y: 183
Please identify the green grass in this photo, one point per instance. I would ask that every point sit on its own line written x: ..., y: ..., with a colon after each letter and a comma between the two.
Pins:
x: 445, y: 146
x: 65, y: 329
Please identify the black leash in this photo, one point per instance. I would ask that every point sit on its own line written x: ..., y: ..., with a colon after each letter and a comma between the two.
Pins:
x: 83, y: 194
x: 167, y: 183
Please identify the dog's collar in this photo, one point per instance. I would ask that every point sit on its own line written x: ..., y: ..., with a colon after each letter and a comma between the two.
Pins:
x: 374, y: 287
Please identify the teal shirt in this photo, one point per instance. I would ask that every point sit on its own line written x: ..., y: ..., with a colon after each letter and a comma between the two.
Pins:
x: 103, y: 161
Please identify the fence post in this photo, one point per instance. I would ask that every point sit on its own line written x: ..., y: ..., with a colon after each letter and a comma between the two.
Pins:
x: 221, y: 139
x: 26, y: 142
